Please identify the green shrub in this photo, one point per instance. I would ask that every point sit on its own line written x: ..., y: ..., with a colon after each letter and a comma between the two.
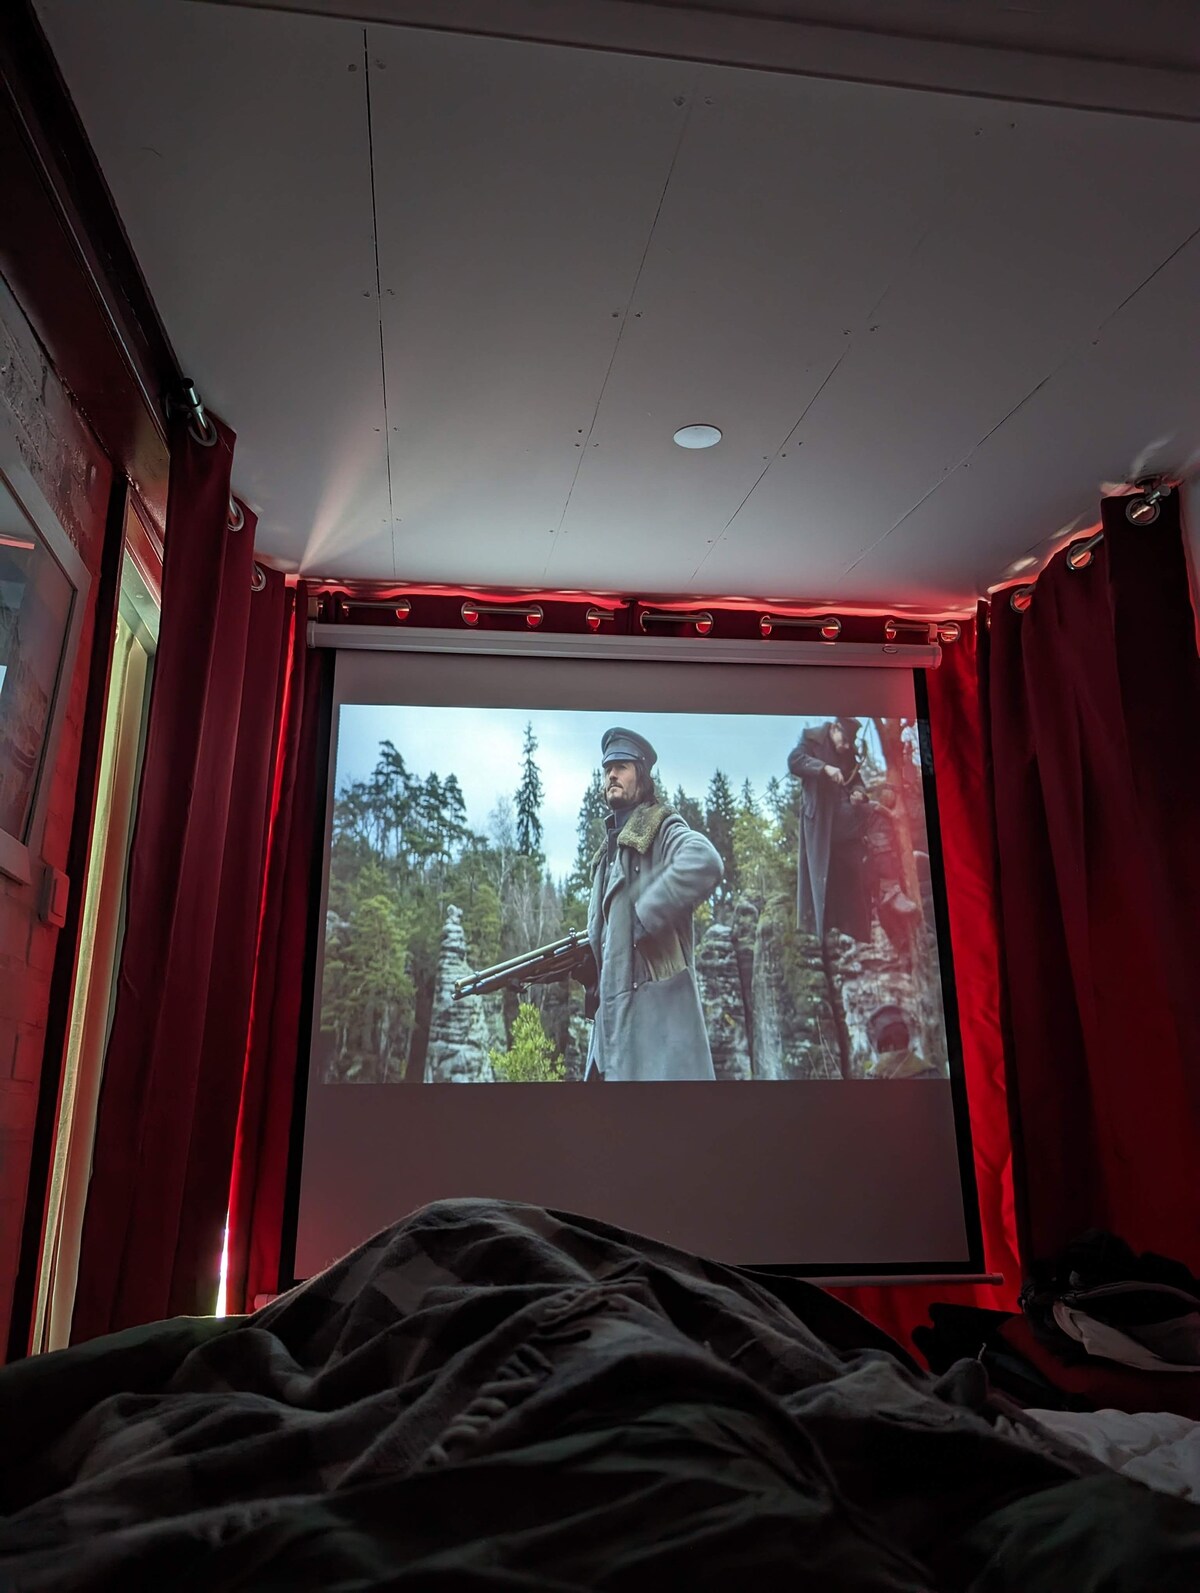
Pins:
x: 530, y: 1057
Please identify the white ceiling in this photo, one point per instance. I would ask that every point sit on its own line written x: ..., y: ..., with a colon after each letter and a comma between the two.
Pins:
x: 455, y: 339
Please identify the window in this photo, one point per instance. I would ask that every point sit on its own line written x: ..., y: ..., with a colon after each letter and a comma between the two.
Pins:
x: 43, y: 584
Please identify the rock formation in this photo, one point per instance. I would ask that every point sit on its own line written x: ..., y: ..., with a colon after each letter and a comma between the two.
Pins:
x: 794, y: 1034
x: 721, y: 998
x: 458, y: 1030
x: 865, y: 976
x: 579, y: 1034
x: 745, y: 932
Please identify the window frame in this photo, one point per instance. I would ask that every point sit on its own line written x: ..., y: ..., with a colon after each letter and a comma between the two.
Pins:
x: 20, y: 856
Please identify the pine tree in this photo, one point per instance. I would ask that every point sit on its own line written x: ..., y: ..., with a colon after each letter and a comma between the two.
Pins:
x: 688, y: 808
x: 392, y: 791
x: 719, y: 817
x: 530, y: 1058
x: 783, y: 800
x: 529, y: 800
x: 593, y: 810
x: 755, y: 846
x: 352, y: 819
x: 425, y: 821
x: 483, y: 918
x: 368, y: 994
x: 454, y: 813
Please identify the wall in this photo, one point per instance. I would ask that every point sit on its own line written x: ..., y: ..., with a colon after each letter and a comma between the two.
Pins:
x: 76, y: 478
x: 84, y: 365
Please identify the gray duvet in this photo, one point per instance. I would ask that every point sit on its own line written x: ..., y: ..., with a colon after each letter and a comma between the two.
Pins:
x: 489, y: 1396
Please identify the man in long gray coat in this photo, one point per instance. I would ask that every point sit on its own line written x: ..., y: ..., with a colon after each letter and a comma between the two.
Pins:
x: 649, y: 876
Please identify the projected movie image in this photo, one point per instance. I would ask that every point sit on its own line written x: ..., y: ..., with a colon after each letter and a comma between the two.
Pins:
x: 568, y: 896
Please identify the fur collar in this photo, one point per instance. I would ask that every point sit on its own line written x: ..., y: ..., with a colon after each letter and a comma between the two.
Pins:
x: 640, y: 828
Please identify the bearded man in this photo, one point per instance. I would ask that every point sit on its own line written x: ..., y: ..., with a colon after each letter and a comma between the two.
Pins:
x: 649, y: 876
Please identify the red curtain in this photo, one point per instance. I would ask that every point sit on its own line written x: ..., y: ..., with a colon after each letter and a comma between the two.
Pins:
x: 164, y: 1136
x: 277, y: 1032
x: 1081, y: 784
x: 1094, y: 708
x: 965, y: 823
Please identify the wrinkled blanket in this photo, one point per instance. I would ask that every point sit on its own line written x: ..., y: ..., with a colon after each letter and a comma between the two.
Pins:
x: 490, y: 1396
x: 1157, y: 1447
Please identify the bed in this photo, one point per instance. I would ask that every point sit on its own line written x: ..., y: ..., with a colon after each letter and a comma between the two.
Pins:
x: 492, y: 1396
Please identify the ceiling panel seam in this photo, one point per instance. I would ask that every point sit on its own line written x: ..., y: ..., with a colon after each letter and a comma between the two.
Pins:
x: 949, y: 203
x: 629, y: 302
x: 963, y: 463
x: 387, y: 430
x: 1068, y: 357
x: 800, y: 419
x: 1146, y: 280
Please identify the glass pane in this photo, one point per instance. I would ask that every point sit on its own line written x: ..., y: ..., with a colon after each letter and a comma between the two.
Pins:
x: 35, y: 612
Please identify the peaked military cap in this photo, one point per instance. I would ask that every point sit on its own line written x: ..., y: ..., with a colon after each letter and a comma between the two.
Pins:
x: 626, y: 746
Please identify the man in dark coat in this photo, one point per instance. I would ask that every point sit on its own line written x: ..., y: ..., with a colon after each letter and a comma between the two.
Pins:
x: 831, y: 885
x: 649, y: 876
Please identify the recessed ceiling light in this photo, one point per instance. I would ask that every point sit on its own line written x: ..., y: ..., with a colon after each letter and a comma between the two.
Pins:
x: 698, y: 436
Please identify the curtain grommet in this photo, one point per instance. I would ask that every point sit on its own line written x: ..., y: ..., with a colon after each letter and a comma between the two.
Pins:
x: 237, y: 515
x: 258, y: 578
x: 207, y: 436
x: 186, y: 400
x: 1081, y: 554
x: 1145, y: 507
x: 701, y: 619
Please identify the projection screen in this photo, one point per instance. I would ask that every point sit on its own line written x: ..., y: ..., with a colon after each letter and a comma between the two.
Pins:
x: 755, y: 1056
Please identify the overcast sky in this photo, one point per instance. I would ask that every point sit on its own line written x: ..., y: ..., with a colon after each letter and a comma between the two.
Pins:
x: 482, y: 746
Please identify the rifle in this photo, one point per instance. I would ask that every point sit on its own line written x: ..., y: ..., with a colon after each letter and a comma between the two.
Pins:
x: 531, y: 967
